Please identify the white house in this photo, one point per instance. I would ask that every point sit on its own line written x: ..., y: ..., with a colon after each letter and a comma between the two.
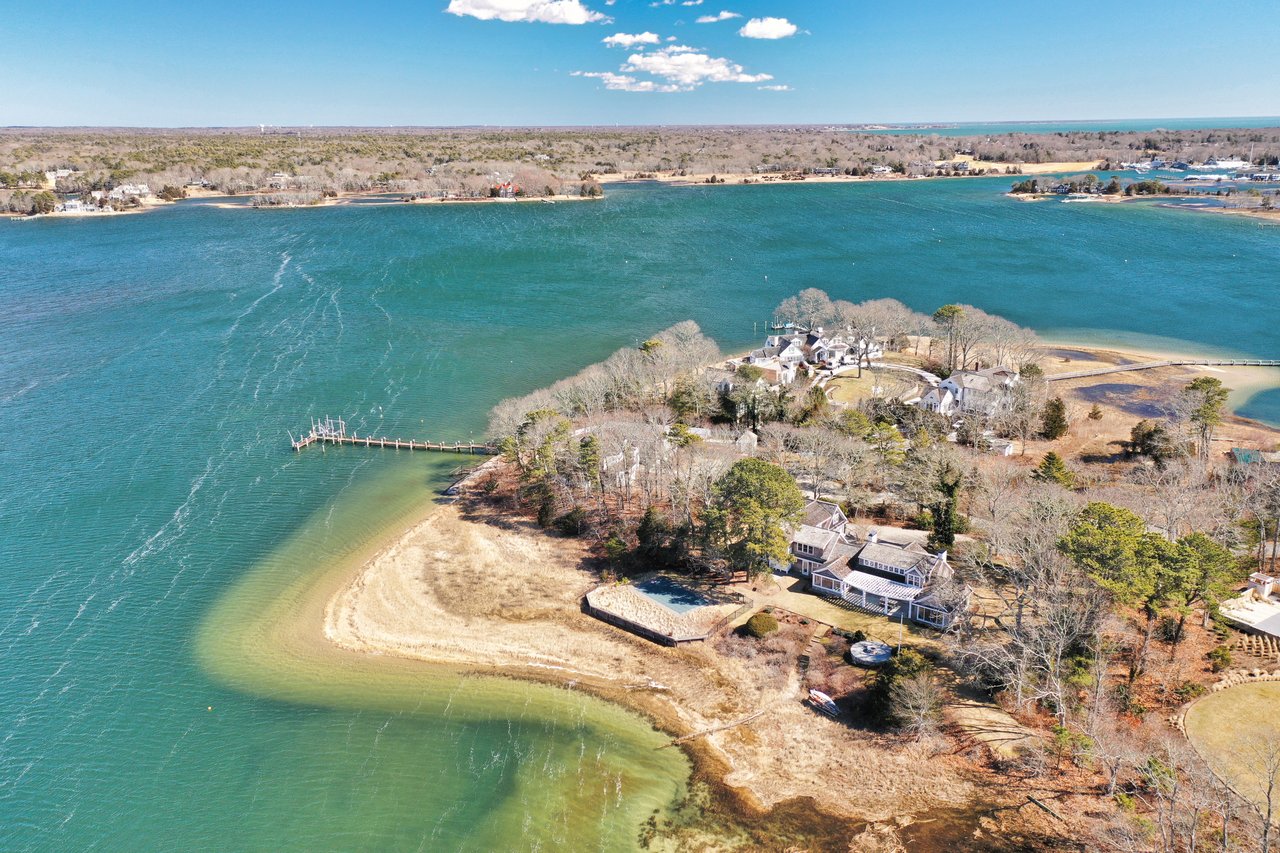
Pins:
x: 125, y: 191
x: 980, y: 392
x: 893, y: 579
x: 1257, y: 610
x: 788, y: 350
x: 776, y: 371
x: 817, y: 348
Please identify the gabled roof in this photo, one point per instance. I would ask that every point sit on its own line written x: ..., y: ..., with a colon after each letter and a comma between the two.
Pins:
x: 969, y: 380
x: 816, y: 537
x: 824, y: 514
x: 899, y: 557
x: 938, y: 394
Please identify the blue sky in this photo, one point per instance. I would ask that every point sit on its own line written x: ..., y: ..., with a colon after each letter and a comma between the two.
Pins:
x: 503, y: 62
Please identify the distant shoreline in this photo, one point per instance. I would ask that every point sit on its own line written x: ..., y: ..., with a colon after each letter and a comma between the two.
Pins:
x: 1272, y: 215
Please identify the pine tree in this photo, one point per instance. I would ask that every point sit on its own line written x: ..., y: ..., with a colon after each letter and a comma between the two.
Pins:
x: 1053, y: 424
x: 1053, y: 470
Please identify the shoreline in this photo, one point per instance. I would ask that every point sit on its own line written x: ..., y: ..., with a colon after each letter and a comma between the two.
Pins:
x: 264, y: 636
x: 700, y: 179
x: 375, y: 200
x: 322, y: 636
x: 1256, y: 379
x: 1157, y: 200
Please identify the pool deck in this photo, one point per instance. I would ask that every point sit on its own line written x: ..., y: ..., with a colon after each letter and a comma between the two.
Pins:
x: 626, y: 606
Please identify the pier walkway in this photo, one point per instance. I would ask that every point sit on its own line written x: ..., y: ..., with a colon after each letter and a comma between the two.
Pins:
x: 334, y: 431
x: 1150, y: 365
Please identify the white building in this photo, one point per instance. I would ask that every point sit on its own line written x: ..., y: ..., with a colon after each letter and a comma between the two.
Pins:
x: 125, y: 191
x: 981, y: 392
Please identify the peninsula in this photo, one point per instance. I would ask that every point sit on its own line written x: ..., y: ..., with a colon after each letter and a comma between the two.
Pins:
x: 914, y: 440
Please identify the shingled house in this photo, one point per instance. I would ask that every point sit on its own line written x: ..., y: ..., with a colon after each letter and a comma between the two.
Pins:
x: 897, y: 580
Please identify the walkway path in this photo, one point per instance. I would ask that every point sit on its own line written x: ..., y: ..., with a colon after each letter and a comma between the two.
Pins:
x: 1150, y: 365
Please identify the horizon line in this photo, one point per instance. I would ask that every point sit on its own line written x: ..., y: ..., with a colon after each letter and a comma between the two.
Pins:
x: 923, y: 124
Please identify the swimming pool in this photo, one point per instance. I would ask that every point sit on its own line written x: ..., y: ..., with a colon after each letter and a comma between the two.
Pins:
x: 672, y: 595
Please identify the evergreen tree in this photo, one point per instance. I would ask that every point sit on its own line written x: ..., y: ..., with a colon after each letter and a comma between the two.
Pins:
x: 943, y: 512
x: 753, y: 504
x: 1052, y: 469
x: 1204, y: 400
x: 1053, y: 424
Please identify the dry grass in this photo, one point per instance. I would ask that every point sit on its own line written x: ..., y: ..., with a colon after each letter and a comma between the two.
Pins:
x: 1126, y: 398
x: 1230, y: 728
x: 490, y: 593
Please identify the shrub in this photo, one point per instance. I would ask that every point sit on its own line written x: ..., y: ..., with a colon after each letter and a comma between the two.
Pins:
x: 1167, y: 630
x: 546, y: 509
x: 760, y: 625
x: 573, y: 522
x: 615, y: 547
x: 1219, y: 659
x: 1188, y: 690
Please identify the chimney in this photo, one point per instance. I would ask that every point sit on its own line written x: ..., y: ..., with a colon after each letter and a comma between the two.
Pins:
x: 873, y: 535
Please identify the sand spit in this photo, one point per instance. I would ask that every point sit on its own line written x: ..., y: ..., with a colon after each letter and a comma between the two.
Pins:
x: 470, y: 587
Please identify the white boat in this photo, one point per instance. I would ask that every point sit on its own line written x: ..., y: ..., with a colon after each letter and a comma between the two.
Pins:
x: 824, y: 703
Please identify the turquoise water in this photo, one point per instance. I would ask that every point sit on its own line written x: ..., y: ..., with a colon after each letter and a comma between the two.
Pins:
x: 1084, y: 126
x: 154, y: 525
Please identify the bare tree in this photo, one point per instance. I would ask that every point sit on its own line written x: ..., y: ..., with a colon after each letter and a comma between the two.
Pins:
x: 916, y: 703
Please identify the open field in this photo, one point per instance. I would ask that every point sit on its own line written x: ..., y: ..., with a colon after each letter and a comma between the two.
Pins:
x: 1126, y: 398
x: 1235, y: 731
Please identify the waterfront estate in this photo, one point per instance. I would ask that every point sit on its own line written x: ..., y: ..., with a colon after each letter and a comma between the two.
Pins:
x: 896, y: 579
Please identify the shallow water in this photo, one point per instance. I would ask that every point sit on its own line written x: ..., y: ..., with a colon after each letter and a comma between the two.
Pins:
x: 159, y: 539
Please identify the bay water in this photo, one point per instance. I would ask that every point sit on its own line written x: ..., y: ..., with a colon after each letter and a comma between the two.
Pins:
x: 160, y: 544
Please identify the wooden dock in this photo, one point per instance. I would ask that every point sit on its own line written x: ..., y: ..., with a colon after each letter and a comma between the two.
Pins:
x: 334, y: 431
x: 1151, y: 365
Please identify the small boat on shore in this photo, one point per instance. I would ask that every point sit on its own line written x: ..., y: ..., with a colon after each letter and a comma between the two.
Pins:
x: 824, y: 703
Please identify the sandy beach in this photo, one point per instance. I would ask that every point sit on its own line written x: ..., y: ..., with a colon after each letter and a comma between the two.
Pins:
x: 418, y: 599
x: 702, y: 178
x: 421, y: 600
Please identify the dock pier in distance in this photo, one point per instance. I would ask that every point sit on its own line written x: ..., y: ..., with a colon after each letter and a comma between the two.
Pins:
x: 329, y: 430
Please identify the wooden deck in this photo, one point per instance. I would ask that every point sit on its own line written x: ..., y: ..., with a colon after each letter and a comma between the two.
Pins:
x: 334, y: 431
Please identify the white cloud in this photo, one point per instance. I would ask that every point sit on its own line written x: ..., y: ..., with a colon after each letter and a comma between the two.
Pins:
x: 767, y: 28
x: 778, y: 88
x: 723, y: 16
x: 691, y: 3
x: 630, y: 40
x: 686, y: 68
x: 625, y: 82
x: 541, y: 11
